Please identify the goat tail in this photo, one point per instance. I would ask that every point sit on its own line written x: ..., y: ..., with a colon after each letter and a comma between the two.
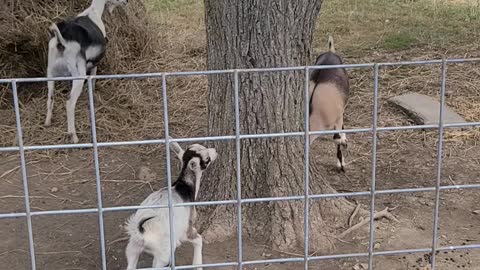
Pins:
x: 331, y: 45
x: 56, y: 32
x: 140, y: 227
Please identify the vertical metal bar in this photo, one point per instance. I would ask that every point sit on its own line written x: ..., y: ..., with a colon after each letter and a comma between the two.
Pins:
x: 439, y: 163
x: 91, y: 103
x: 169, y: 171
x: 24, y: 175
x: 374, y: 167
x: 307, y: 166
x: 239, y: 173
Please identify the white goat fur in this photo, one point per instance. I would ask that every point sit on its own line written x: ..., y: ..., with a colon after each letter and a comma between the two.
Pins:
x: 67, y: 57
x: 155, y: 238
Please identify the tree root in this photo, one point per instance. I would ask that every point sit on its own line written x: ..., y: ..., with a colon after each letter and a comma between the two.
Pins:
x: 385, y: 213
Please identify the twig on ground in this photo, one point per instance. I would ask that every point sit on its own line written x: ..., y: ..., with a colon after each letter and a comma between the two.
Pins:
x: 284, y: 252
x: 355, y: 212
x: 119, y: 240
x: 385, y: 213
x: 16, y: 168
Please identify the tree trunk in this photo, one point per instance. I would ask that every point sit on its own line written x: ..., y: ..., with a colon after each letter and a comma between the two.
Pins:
x: 259, y: 34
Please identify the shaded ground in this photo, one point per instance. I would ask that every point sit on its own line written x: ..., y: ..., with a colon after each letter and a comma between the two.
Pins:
x: 406, y: 159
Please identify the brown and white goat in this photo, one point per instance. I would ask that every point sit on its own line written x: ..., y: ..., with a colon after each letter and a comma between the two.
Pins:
x: 329, y: 90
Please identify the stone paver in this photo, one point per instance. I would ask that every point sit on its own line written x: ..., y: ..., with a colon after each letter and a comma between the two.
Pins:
x: 425, y: 110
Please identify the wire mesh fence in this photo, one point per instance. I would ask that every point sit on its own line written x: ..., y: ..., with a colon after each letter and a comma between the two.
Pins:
x: 238, y: 137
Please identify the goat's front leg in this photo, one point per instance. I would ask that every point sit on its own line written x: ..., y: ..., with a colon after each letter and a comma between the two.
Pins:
x: 77, y: 86
x: 196, y: 240
x: 51, y: 90
x: 93, y: 72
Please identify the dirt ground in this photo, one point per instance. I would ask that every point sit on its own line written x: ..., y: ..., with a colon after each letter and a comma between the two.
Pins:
x: 406, y: 159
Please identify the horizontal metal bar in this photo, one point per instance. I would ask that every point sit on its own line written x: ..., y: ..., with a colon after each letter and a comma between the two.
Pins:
x: 466, y: 124
x: 429, y: 62
x: 404, y: 251
x: 205, y: 203
x: 324, y: 257
x: 231, y: 137
x: 64, y: 212
x: 411, y: 63
x: 337, y: 256
x: 251, y: 200
x: 13, y: 215
x: 405, y: 190
x: 272, y: 135
x: 463, y: 247
x: 340, y: 195
x: 271, y: 261
x: 176, y: 74
x: 230, y: 71
x: 301, y: 68
x: 272, y: 199
x: 210, y: 265
x: 47, y: 147
x: 463, y: 60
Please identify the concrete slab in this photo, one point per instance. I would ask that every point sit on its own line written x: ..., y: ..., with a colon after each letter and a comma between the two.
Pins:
x: 425, y: 110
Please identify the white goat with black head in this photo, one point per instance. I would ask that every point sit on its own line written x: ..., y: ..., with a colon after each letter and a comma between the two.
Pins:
x: 75, y: 48
x: 329, y: 90
x: 149, y: 228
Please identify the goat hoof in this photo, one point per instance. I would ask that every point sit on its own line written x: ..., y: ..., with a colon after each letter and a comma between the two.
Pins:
x: 340, y: 167
x: 72, y: 138
x: 47, y: 123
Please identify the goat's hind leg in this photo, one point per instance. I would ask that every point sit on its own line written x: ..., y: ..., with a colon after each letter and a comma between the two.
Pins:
x: 161, y: 253
x: 77, y: 87
x: 340, y: 140
x: 132, y: 253
x: 51, y: 90
x: 161, y: 259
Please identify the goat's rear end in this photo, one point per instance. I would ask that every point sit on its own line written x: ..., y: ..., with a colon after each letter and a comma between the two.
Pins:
x: 329, y: 91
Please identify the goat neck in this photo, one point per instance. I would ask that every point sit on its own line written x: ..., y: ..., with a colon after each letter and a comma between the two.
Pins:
x: 98, y: 6
x: 188, y: 184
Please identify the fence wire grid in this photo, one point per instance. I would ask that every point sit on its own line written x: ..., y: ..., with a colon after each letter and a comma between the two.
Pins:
x: 100, y: 210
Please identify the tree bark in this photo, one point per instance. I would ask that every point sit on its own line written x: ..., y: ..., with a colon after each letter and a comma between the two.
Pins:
x: 259, y: 34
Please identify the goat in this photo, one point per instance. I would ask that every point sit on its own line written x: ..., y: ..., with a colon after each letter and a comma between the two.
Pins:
x: 148, y: 229
x: 329, y: 91
x: 75, y: 48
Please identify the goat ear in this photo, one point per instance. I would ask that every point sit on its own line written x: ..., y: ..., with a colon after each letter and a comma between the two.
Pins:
x: 111, y: 7
x: 177, y: 149
x: 192, y: 165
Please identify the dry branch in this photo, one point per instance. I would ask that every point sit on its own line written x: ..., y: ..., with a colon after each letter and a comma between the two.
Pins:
x: 385, y: 213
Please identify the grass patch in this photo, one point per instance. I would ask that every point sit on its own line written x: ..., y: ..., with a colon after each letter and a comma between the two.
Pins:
x: 398, y: 41
x: 170, y: 5
x: 360, y: 26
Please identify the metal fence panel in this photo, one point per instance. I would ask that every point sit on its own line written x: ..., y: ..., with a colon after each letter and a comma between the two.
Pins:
x: 306, y: 197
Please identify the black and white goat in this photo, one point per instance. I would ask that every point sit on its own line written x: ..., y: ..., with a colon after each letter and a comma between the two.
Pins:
x: 329, y: 90
x: 75, y: 48
x: 149, y: 228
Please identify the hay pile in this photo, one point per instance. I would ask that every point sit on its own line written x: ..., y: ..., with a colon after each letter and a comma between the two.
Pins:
x: 125, y: 109
x: 24, y: 25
